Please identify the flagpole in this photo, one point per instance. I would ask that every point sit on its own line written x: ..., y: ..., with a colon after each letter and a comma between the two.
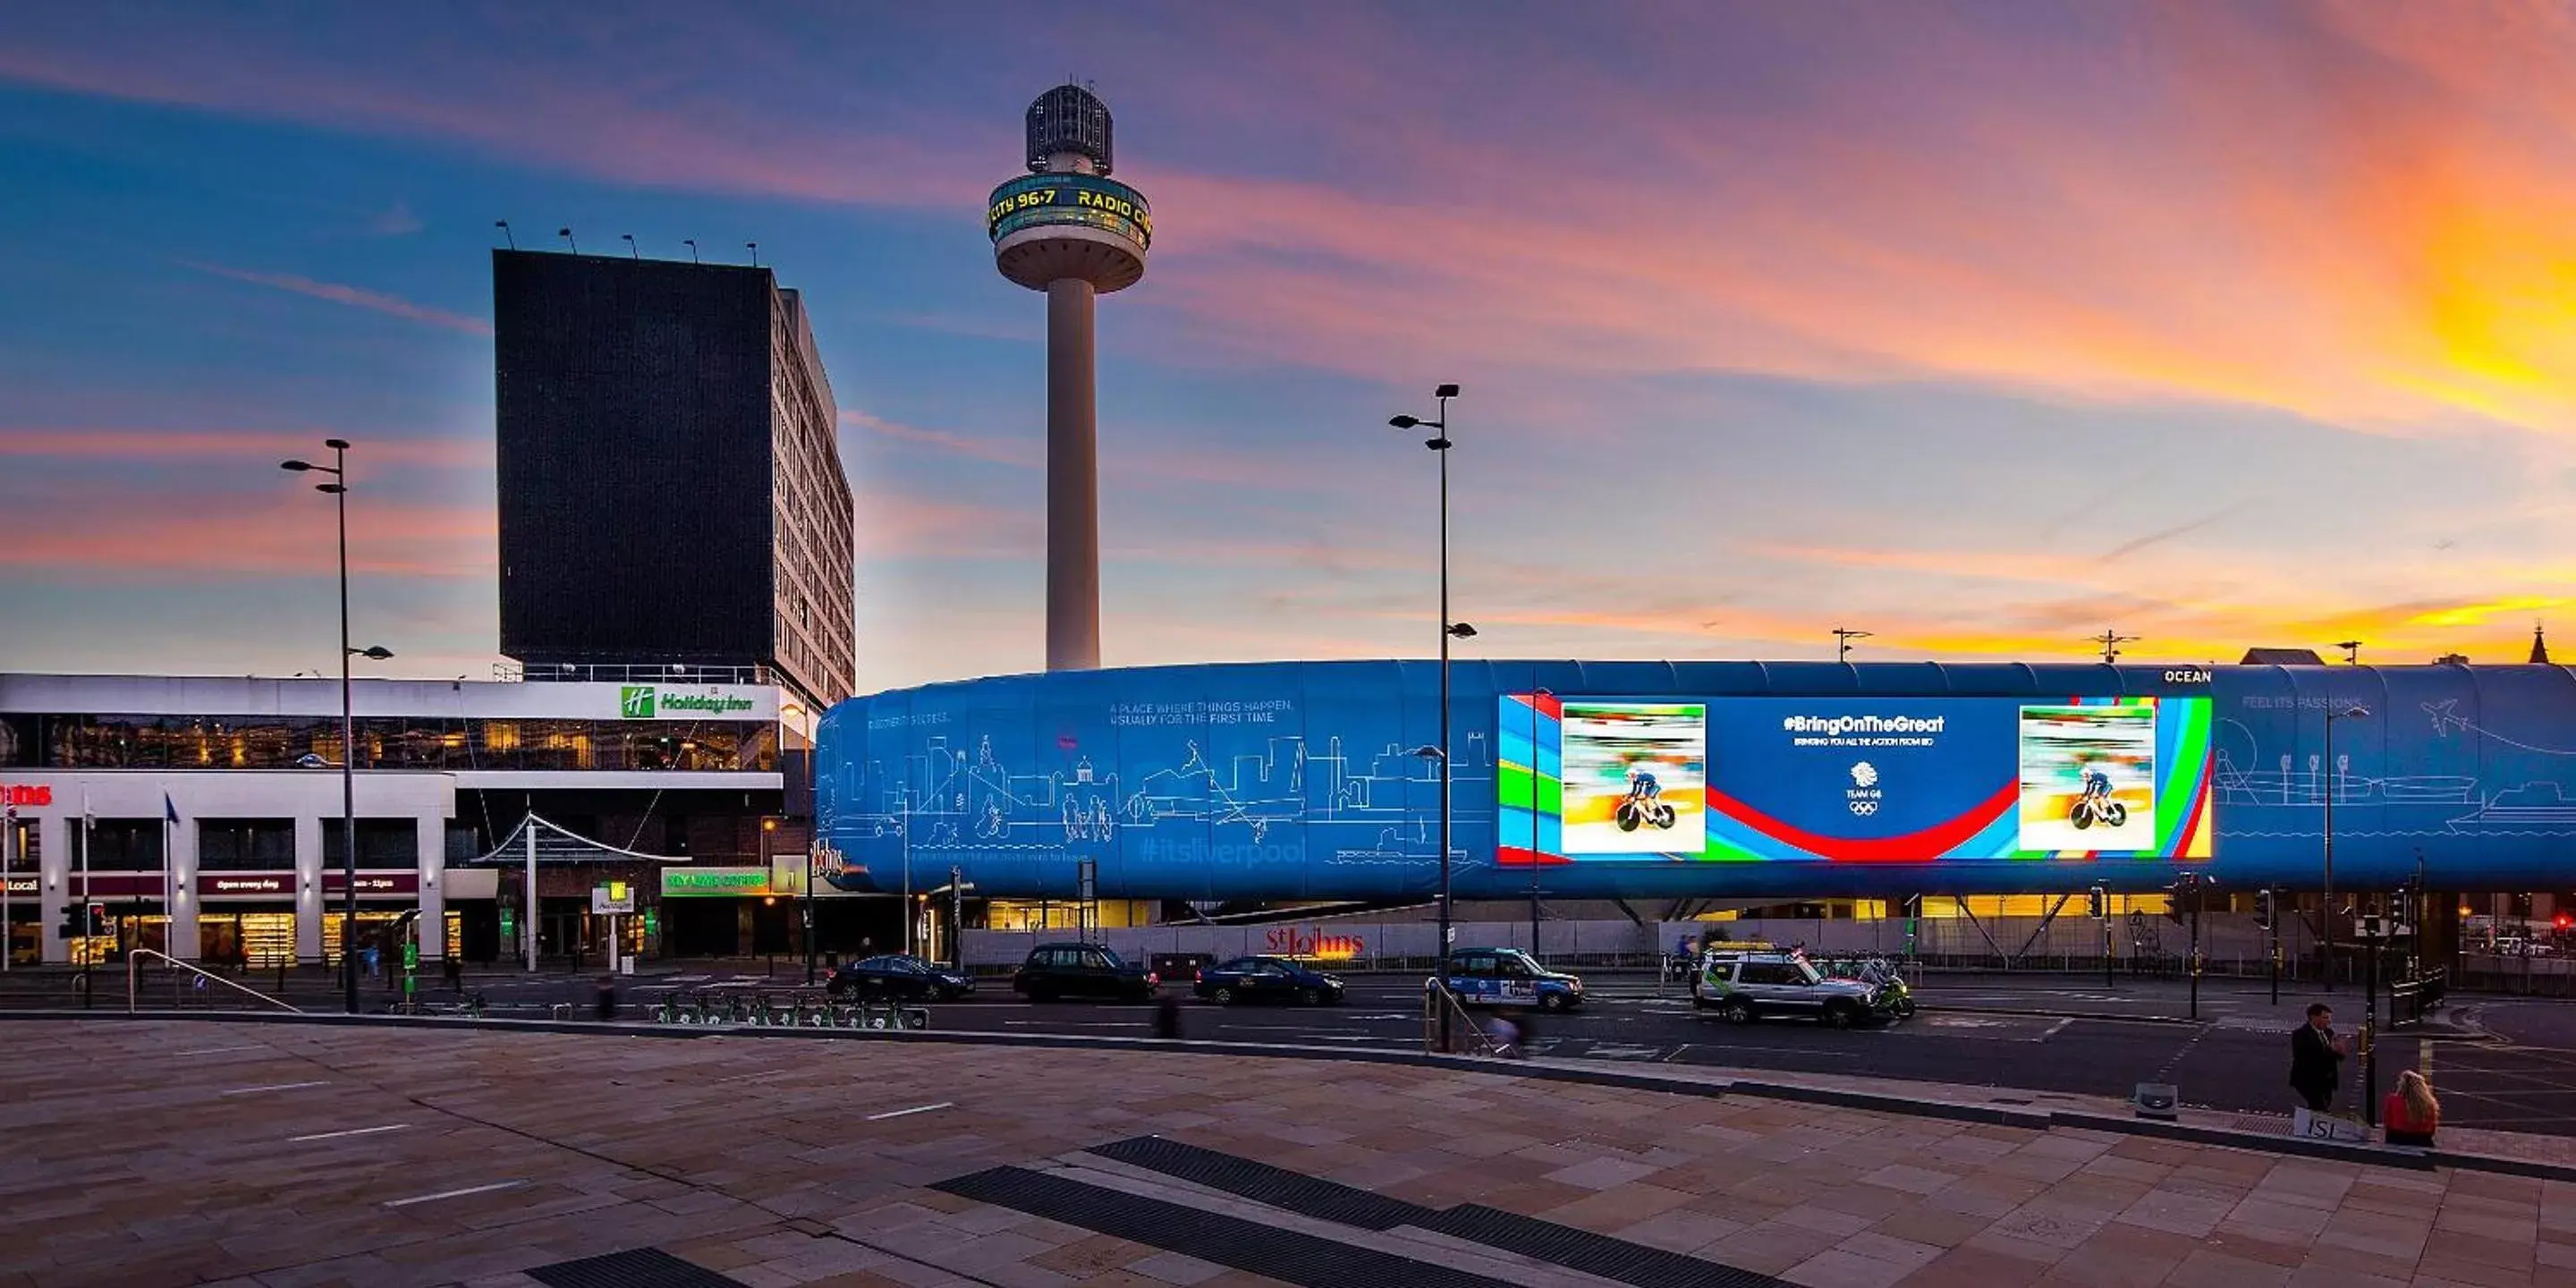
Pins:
x: 8, y: 871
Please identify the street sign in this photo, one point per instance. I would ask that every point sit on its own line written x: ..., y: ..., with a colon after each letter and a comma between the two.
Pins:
x: 613, y: 896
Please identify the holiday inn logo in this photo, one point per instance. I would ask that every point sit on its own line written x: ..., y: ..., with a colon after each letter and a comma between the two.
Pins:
x: 648, y: 702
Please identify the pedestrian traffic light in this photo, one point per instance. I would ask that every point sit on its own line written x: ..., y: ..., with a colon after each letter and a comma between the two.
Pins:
x: 2264, y: 911
x: 2100, y: 902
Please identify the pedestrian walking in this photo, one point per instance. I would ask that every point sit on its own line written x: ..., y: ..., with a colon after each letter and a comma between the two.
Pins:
x: 2316, y: 1058
x: 2410, y: 1112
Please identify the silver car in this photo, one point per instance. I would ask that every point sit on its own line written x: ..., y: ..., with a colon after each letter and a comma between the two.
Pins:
x: 1745, y: 986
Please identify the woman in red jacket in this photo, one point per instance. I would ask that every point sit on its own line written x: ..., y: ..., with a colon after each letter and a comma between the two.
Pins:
x: 2410, y: 1113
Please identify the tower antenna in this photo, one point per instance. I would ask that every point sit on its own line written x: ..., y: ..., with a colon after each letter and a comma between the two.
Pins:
x: 2111, y: 642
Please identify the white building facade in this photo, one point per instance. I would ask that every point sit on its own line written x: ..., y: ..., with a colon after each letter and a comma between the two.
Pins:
x: 204, y: 816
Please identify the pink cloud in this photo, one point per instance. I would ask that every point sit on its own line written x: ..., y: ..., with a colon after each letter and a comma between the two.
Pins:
x: 354, y: 296
x: 159, y: 538
x: 225, y: 444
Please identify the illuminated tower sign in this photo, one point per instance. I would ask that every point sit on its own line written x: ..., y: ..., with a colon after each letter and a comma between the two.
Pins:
x: 1068, y: 229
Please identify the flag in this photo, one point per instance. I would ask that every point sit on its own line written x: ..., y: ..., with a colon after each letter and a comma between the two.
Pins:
x: 169, y: 811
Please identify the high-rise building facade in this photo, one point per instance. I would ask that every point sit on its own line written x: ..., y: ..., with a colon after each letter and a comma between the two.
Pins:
x: 671, y: 491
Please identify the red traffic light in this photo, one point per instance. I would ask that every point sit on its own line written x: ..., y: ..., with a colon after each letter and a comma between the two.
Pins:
x: 2564, y: 921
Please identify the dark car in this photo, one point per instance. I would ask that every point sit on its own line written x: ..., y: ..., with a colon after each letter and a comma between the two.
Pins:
x: 1266, y: 979
x: 1081, y: 970
x: 896, y: 976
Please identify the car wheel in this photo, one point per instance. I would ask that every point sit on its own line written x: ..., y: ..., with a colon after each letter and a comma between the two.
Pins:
x: 1223, y: 996
x: 1739, y: 1011
x: 1310, y: 997
x: 1838, y: 1016
x: 1551, y: 1001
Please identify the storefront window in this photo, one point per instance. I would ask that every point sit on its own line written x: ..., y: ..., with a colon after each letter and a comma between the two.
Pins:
x: 382, y: 843
x: 388, y: 742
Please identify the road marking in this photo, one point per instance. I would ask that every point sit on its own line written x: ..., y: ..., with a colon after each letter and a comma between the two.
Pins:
x: 281, y: 1086
x: 916, y: 1109
x: 455, y: 1194
x: 218, y: 1050
x: 354, y: 1131
x: 2424, y: 1058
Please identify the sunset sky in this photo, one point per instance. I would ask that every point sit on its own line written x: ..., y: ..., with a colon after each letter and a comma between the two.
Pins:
x: 1984, y: 327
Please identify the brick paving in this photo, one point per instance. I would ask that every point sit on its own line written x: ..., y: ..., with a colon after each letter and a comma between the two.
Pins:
x: 145, y: 1154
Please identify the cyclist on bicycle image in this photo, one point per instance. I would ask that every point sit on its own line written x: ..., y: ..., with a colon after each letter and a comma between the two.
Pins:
x: 1642, y: 785
x: 2097, y: 785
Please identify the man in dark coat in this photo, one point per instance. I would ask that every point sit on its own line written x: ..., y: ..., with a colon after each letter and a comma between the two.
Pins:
x: 2316, y: 1058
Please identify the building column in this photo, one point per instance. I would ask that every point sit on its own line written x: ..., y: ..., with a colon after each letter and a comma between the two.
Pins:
x: 431, y: 926
x: 308, y: 891
x: 54, y: 882
x: 181, y: 899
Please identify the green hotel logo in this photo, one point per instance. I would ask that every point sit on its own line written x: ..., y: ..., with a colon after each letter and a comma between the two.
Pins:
x: 646, y: 702
x: 681, y: 883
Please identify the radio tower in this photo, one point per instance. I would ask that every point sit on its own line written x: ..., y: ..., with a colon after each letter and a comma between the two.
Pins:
x: 1069, y: 230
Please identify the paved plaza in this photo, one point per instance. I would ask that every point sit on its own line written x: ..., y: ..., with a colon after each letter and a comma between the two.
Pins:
x: 148, y: 1153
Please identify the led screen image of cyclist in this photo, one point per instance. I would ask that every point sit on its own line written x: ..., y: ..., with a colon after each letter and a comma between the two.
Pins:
x: 1636, y: 778
x: 2088, y: 778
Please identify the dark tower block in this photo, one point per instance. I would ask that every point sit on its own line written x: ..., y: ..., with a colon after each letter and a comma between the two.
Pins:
x: 1069, y: 230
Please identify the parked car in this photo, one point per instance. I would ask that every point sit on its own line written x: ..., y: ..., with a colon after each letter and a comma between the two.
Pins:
x: 1509, y: 977
x: 1745, y: 986
x: 1266, y: 979
x: 1081, y: 970
x: 897, y: 976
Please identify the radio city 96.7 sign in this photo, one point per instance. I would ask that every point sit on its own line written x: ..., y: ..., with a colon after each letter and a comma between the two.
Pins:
x: 1088, y: 199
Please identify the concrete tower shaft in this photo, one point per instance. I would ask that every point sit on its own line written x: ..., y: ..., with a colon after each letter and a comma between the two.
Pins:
x: 1068, y: 229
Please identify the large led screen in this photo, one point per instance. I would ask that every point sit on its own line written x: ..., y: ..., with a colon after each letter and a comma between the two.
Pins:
x: 1853, y: 780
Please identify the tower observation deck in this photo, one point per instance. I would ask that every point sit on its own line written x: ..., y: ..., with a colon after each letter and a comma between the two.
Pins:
x: 1068, y: 229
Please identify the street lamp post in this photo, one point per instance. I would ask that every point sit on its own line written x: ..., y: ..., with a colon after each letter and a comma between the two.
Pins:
x: 338, y: 488
x: 2332, y: 716
x: 1449, y: 630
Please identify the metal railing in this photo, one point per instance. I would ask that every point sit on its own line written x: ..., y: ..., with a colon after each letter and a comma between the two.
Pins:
x: 1466, y: 1034
x: 134, y: 980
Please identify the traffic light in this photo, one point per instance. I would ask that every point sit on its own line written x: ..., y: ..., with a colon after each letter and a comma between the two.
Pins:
x: 2563, y: 921
x: 71, y: 927
x: 2100, y: 902
x: 2264, y: 911
x: 97, y: 919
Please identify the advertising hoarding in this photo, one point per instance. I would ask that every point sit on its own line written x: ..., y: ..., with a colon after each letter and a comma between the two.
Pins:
x: 1853, y: 780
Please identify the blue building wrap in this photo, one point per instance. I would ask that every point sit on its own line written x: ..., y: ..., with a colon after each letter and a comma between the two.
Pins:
x: 1302, y: 780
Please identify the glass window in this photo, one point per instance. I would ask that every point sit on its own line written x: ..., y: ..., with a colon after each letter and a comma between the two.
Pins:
x: 120, y: 845
x: 1239, y: 964
x: 1096, y: 960
x: 382, y: 843
x: 246, y: 844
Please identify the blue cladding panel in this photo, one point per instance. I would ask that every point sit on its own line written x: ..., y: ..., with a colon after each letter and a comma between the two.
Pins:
x: 1296, y: 780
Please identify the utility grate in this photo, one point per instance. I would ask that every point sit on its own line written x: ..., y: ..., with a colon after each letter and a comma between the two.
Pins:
x: 1262, y: 1183
x: 1286, y: 1255
x: 634, y: 1268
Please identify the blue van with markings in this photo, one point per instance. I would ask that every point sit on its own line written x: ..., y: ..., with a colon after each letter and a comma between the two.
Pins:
x: 1509, y: 977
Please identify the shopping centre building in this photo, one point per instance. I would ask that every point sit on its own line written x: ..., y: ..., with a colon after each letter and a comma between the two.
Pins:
x: 204, y: 815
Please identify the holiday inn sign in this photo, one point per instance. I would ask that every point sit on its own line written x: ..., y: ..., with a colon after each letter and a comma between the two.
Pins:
x: 656, y: 702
